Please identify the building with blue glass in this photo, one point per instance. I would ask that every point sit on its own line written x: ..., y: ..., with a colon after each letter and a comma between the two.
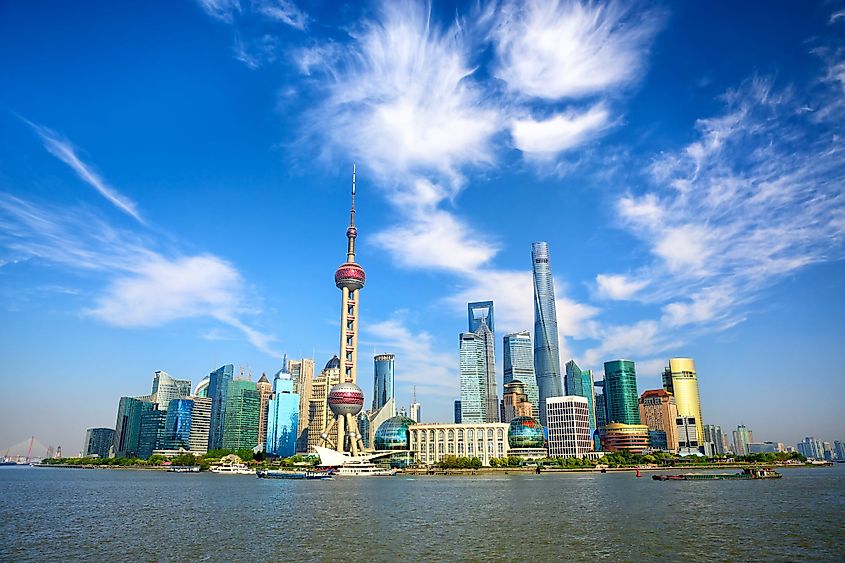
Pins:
x: 393, y: 434
x: 473, y: 378
x: 282, y: 418
x: 177, y: 425
x: 217, y: 391
x: 478, y: 311
x: 151, y: 437
x: 580, y: 382
x: 546, y: 345
x: 518, y: 356
x: 383, y: 386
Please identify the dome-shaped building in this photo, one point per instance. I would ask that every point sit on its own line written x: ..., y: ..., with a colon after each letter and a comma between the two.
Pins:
x: 393, y: 434
x: 334, y: 363
x: 525, y: 432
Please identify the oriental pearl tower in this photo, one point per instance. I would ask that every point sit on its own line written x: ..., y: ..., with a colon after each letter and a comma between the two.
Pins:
x: 346, y: 399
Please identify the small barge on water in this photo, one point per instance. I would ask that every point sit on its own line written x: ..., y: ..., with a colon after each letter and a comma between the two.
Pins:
x: 747, y: 473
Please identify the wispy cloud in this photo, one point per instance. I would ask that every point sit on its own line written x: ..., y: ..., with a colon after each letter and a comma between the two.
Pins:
x: 62, y: 149
x: 144, y: 287
x: 567, y: 49
x: 283, y: 11
x: 223, y: 10
x: 418, y: 361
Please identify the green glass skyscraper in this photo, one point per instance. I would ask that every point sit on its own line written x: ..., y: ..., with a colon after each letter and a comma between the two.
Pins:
x: 620, y: 392
x: 240, y: 425
x: 580, y: 382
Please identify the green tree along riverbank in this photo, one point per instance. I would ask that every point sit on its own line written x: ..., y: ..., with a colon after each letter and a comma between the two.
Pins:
x: 256, y: 460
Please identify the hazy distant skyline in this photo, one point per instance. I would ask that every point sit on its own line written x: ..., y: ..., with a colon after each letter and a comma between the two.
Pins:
x: 174, y: 184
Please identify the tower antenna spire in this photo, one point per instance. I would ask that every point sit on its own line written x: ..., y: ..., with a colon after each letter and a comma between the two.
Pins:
x: 352, y: 232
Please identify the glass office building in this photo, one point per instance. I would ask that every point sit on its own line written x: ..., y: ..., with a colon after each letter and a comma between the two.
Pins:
x: 98, y: 442
x: 393, y: 434
x: 518, y: 356
x: 620, y: 392
x: 580, y: 382
x: 473, y: 378
x: 282, y: 418
x: 127, y: 429
x: 240, y: 424
x: 383, y: 387
x: 546, y: 346
x: 165, y: 389
x: 218, y: 388
x: 177, y: 425
x: 152, y: 431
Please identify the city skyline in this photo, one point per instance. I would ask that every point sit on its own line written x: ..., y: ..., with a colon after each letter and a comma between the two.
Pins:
x: 138, y: 234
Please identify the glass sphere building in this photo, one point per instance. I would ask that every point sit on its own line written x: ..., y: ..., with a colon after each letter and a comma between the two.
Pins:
x: 393, y: 434
x: 525, y: 432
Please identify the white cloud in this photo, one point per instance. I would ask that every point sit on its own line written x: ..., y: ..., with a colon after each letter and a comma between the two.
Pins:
x: 560, y: 132
x: 223, y: 10
x: 66, y: 152
x: 615, y: 286
x: 558, y: 49
x: 418, y: 361
x: 145, y: 287
x: 401, y: 98
x: 284, y: 11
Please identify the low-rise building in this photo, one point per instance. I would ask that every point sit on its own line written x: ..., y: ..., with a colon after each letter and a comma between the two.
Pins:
x: 616, y: 437
x: 430, y: 443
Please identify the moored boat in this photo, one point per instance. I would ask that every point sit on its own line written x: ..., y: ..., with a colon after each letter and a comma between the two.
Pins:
x: 747, y: 474
x: 307, y: 474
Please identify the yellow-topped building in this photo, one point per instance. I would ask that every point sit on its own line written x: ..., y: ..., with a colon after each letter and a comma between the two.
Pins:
x: 680, y: 379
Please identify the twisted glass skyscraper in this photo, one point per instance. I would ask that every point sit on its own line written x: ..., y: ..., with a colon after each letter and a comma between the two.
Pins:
x: 546, y: 348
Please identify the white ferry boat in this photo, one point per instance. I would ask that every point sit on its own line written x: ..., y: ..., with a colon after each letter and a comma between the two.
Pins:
x: 232, y: 465
x: 348, y: 466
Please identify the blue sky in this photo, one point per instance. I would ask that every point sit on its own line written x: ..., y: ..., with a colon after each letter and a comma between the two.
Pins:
x: 174, y: 194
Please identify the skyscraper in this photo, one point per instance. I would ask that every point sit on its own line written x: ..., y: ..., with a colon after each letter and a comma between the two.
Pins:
x: 200, y: 424
x: 98, y: 442
x: 569, y: 426
x: 240, y: 426
x: 265, y: 390
x: 488, y: 358
x: 346, y: 399
x: 457, y: 416
x: 151, y: 436
x: 473, y: 378
x: 302, y: 373
x: 318, y: 407
x: 518, y: 356
x: 601, y: 409
x: 478, y: 310
x: 620, y: 392
x: 680, y: 379
x: 383, y: 386
x: 811, y: 448
x: 714, y: 435
x: 742, y: 437
x: 165, y: 389
x: 546, y: 348
x: 515, y: 402
x: 282, y: 418
x: 218, y: 387
x: 127, y: 430
x: 580, y: 382
x: 177, y: 425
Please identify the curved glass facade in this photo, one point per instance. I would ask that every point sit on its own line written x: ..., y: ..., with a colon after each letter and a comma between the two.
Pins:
x: 546, y: 347
x: 526, y: 432
x: 393, y: 434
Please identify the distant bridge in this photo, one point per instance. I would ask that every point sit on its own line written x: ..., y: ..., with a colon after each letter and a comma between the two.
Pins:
x: 26, y: 450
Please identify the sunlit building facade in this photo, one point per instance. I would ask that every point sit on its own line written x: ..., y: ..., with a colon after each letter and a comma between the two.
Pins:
x: 151, y: 437
x: 166, y: 388
x: 658, y: 412
x: 430, y: 443
x: 127, y: 432
x: 218, y: 388
x: 200, y: 424
x: 616, y: 437
x: 265, y: 391
x: 177, y: 425
x: 569, y: 429
x: 680, y: 379
x: 383, y: 384
x: 742, y: 437
x: 302, y: 373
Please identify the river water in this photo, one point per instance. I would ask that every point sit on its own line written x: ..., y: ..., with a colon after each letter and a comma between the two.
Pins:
x: 120, y: 515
